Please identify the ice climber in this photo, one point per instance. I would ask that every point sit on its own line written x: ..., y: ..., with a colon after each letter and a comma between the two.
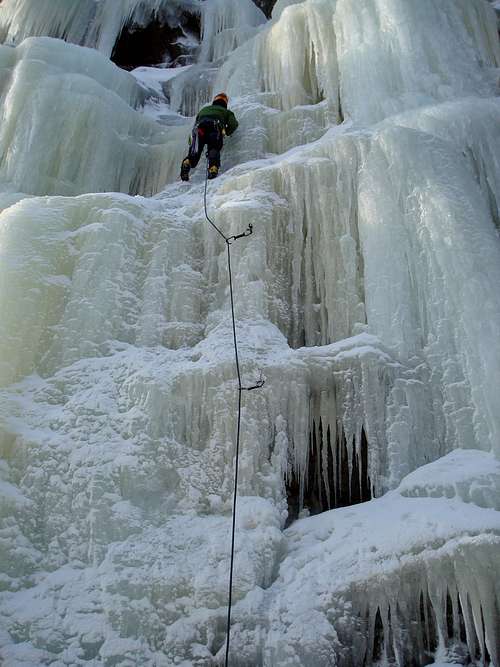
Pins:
x: 213, y: 122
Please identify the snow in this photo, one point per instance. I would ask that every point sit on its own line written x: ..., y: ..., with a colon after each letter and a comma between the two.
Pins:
x: 381, y: 555
x: 176, y: 92
x: 153, y: 78
x: 367, y: 297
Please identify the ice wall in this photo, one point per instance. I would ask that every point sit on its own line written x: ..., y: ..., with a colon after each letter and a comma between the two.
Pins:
x: 344, y: 58
x: 93, y: 23
x: 191, y: 89
x: 439, y: 596
x: 226, y: 25
x: 69, y: 125
x: 98, y: 23
x: 367, y: 297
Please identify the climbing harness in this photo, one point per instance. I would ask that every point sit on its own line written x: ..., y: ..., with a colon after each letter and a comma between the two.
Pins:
x: 260, y: 383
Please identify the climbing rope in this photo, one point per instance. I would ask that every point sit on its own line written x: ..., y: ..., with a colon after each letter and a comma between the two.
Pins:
x: 229, y: 240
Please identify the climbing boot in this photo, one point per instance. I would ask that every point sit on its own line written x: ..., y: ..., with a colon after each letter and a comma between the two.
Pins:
x: 185, y: 168
x: 213, y: 171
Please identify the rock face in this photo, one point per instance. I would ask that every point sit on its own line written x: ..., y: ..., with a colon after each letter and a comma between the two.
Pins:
x: 366, y: 160
x: 158, y: 42
x: 266, y: 6
x: 132, y: 32
x: 138, y: 32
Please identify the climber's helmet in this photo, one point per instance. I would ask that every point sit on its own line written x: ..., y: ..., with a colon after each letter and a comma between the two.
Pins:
x: 221, y: 99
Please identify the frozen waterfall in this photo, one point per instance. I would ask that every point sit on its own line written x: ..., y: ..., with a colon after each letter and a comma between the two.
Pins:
x: 368, y: 162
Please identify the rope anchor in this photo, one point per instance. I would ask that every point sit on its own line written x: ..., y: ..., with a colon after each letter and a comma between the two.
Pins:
x: 258, y: 385
x: 247, y: 232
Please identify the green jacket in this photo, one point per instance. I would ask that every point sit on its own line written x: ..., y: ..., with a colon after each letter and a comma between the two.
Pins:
x: 225, y: 116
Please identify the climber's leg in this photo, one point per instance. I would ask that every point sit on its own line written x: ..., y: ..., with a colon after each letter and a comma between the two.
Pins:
x: 196, y: 145
x: 214, y: 144
x: 185, y: 169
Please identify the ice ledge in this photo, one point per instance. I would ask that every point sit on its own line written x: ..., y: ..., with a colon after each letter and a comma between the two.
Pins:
x: 466, y: 474
x: 367, y: 573
x: 400, y: 522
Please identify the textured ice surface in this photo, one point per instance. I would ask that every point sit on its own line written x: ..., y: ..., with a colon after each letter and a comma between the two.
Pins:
x: 367, y: 297
x: 394, y: 557
x: 93, y: 23
x: 226, y: 24
x: 69, y: 124
x: 98, y: 23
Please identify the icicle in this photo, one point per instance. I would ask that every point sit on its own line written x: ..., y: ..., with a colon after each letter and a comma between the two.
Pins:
x: 226, y: 25
x: 92, y: 23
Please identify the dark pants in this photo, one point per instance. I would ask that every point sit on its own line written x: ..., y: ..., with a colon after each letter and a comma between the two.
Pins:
x: 206, y: 133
